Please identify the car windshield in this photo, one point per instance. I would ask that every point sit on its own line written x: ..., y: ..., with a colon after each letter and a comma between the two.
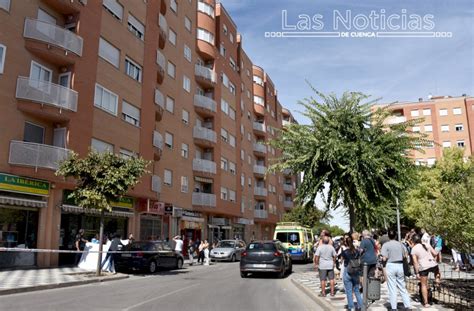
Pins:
x: 289, y: 237
x: 261, y: 246
x: 226, y: 244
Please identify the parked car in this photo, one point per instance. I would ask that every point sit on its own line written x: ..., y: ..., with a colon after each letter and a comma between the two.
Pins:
x: 161, y: 256
x: 266, y: 256
x: 228, y: 250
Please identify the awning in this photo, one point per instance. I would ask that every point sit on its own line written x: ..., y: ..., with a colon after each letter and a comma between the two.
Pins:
x: 80, y: 210
x: 203, y: 179
x: 22, y: 202
x: 193, y: 219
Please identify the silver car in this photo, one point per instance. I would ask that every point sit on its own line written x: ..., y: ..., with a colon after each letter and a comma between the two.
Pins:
x: 228, y: 250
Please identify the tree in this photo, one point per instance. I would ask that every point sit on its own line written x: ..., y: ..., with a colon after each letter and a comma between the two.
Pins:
x: 101, y: 178
x: 308, y: 216
x: 442, y: 200
x: 334, y: 230
x: 350, y: 148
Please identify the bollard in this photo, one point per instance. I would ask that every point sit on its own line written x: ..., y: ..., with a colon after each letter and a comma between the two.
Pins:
x: 365, y: 276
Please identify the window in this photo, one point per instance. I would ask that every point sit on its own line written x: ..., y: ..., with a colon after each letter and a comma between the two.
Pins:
x: 231, y: 87
x: 232, y: 168
x: 126, y: 154
x: 416, y: 129
x: 224, y: 106
x: 114, y: 8
x: 108, y: 52
x: 430, y: 144
x: 5, y: 4
x: 136, y: 27
x: 185, y: 117
x: 242, y: 179
x: 225, y: 29
x: 460, y: 143
x: 225, y: 80
x: 33, y: 133
x: 133, y: 70
x: 258, y: 80
x: 242, y: 155
x: 224, y: 164
x: 231, y: 38
x: 101, y: 146
x: 231, y: 113
x: 38, y: 75
x: 203, y: 34
x: 428, y: 128
x: 184, y: 150
x: 206, y: 8
x: 431, y: 161
x: 105, y: 99
x: 130, y: 114
x: 187, y: 53
x: 168, y: 178
x: 231, y: 196
x: 187, y: 84
x: 172, y: 36
x: 258, y: 100
x: 427, y: 112
x: 170, y: 104
x: 171, y: 70
x: 187, y: 23
x: 249, y: 137
x: 224, y: 135
x: 249, y: 182
x: 457, y: 111
x: 169, y: 140
x: 446, y: 144
x: 459, y: 127
x: 3, y: 52
x: 443, y: 112
x: 444, y: 128
x: 232, y: 140
x: 223, y: 193
x: 222, y: 49
x: 184, y: 184
x: 415, y: 113
x: 232, y: 64
x: 174, y: 6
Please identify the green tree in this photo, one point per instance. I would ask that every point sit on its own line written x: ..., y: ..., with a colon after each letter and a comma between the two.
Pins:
x: 101, y: 178
x: 349, y: 147
x: 308, y: 216
x: 442, y: 199
x: 334, y: 230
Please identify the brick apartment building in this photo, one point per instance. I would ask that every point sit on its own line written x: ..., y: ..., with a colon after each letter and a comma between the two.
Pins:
x: 448, y: 122
x: 167, y: 80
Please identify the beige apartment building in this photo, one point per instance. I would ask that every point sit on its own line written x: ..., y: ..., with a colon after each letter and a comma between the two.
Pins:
x: 447, y: 121
x: 164, y: 79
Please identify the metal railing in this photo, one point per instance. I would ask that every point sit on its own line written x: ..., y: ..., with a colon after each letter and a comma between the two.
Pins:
x: 204, y: 199
x: 259, y: 169
x: 259, y: 147
x: 288, y: 204
x: 205, y: 73
x: 36, y: 155
x: 259, y: 127
x: 163, y: 23
x: 261, y: 191
x: 156, y: 183
x: 205, y: 102
x: 205, y: 166
x: 158, y: 140
x: 287, y: 187
x: 52, y: 34
x: 46, y: 93
x: 204, y: 133
x: 160, y: 59
x: 260, y: 213
x: 159, y: 99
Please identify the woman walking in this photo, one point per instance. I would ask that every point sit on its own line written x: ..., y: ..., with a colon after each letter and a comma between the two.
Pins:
x: 349, y: 277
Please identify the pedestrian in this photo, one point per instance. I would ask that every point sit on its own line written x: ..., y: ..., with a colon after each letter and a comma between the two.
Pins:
x: 424, y: 262
x: 114, y: 246
x: 80, y: 244
x: 130, y: 238
x: 324, y: 260
x: 393, y: 253
x: 369, y: 256
x: 201, y: 253
x: 355, y: 239
x: 95, y: 239
x: 383, y: 237
x: 190, y: 250
x: 178, y: 248
x: 206, y: 252
x: 351, y: 277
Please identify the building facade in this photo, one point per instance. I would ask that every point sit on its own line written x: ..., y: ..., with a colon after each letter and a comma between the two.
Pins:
x: 166, y: 80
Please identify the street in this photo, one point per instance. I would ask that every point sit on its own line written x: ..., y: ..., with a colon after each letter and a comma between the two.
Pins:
x: 216, y: 287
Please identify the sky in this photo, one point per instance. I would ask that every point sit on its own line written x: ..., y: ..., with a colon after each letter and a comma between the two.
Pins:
x: 389, y: 69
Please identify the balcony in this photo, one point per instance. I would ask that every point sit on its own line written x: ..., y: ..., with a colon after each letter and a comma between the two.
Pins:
x: 260, y: 191
x: 204, y: 136
x: 287, y: 188
x: 36, y: 155
x: 288, y: 204
x: 259, y: 127
x: 259, y: 109
x: 160, y: 105
x: 158, y: 144
x: 64, y: 40
x: 259, y: 169
x: 204, y: 199
x: 204, y: 166
x: 396, y: 120
x: 204, y: 105
x: 259, y: 148
x: 261, y: 214
x: 163, y: 31
x: 161, y: 61
x: 206, y: 76
x: 66, y: 7
x: 156, y: 184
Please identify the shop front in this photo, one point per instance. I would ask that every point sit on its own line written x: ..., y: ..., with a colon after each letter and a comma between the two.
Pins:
x: 21, y: 201
x: 151, y: 219
x: 219, y: 229
x: 240, y: 229
x: 191, y: 227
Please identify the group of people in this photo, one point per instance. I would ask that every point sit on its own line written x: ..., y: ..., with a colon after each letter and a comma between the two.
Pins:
x: 199, y: 249
x: 386, y: 258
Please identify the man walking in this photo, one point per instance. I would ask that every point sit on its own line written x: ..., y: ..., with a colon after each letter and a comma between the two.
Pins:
x: 114, y: 246
x: 324, y: 260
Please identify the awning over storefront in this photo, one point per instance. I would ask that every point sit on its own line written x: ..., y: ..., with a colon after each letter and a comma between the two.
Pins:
x: 80, y: 210
x: 22, y: 202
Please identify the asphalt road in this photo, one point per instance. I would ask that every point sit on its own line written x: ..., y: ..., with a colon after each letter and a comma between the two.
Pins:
x: 217, y: 287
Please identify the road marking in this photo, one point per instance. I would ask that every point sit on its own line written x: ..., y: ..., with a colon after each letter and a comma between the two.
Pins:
x: 162, y: 296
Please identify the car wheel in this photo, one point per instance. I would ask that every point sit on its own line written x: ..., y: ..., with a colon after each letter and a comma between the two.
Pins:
x: 152, y: 266
x: 233, y: 258
x: 179, y: 264
x: 243, y: 275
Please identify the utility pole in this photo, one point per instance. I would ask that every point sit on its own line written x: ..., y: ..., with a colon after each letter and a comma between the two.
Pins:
x: 398, y: 221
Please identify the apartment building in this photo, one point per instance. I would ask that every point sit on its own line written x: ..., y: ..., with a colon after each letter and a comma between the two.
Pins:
x: 167, y: 80
x: 447, y: 121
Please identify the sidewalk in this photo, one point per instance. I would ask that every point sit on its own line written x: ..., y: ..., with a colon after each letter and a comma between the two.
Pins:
x: 309, y: 283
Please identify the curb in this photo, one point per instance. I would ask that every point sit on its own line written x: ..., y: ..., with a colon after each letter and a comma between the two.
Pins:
x: 322, y: 303
x: 21, y: 290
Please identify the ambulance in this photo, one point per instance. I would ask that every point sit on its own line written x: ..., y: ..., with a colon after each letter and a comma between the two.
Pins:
x: 297, y: 239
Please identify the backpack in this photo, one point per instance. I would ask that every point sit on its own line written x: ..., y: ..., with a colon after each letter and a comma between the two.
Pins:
x: 433, y: 241
x: 353, y: 267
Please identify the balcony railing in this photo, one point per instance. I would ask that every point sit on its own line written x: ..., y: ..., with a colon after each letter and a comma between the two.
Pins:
x: 259, y: 127
x: 163, y: 23
x: 36, y: 155
x: 156, y: 183
x: 160, y: 59
x: 260, y: 213
x: 159, y: 99
x: 205, y: 73
x: 260, y: 148
x: 54, y: 35
x: 46, y: 93
x: 205, y: 166
x: 259, y: 169
x: 157, y: 140
x: 205, y: 134
x: 288, y: 204
x: 260, y: 191
x: 287, y: 187
x: 204, y: 199
x: 205, y: 102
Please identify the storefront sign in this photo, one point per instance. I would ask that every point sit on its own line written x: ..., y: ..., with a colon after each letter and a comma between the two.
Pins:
x: 192, y: 225
x: 19, y: 184
x: 151, y: 207
x: 218, y: 221
x: 168, y: 210
x: 244, y: 221
x: 123, y: 203
x: 192, y: 214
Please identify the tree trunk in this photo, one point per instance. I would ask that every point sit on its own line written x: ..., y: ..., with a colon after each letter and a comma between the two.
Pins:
x: 101, y: 239
x: 351, y: 219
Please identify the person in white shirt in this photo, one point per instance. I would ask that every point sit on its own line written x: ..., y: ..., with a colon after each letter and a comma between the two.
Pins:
x: 179, y: 244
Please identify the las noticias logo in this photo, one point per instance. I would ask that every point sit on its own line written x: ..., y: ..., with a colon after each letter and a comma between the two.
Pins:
x: 345, y: 24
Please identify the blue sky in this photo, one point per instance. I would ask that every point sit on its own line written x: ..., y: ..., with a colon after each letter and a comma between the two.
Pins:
x: 395, y: 69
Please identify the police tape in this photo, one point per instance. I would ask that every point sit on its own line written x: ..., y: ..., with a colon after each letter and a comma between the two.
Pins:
x: 61, y: 251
